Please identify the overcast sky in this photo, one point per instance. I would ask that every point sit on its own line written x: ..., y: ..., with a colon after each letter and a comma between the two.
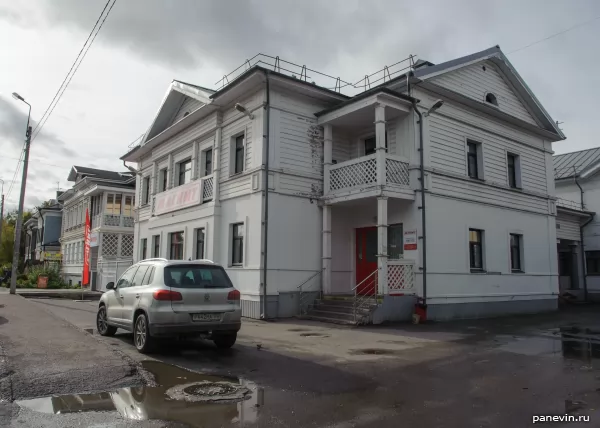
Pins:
x: 144, y: 44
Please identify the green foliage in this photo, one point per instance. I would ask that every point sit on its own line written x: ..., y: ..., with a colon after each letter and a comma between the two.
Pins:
x: 53, y: 274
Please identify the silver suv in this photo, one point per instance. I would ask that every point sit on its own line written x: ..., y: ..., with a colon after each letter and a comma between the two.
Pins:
x: 169, y: 298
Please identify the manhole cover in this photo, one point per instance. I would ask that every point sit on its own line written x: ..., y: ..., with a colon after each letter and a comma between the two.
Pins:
x: 206, y: 391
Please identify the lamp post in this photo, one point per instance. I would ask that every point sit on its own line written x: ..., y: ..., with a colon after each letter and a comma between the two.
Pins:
x: 15, y: 263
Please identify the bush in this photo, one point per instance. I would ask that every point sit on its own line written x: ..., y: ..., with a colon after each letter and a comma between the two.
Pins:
x: 53, y: 274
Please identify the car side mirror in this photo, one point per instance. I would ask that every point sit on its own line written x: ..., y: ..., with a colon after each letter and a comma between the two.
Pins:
x: 110, y: 286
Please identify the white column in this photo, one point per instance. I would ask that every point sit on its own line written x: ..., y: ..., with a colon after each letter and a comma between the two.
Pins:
x: 195, y: 174
x: 326, y: 274
x: 327, y: 156
x: 380, y: 143
x: 382, y: 244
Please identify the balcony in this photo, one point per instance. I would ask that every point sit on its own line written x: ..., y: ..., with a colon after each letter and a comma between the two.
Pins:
x: 362, y: 172
x: 187, y: 195
x: 112, y: 220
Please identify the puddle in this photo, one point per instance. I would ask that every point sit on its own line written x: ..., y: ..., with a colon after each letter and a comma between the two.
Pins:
x: 313, y: 334
x: 183, y: 396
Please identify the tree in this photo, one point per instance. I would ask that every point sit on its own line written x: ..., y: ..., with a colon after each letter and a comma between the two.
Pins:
x: 8, y: 236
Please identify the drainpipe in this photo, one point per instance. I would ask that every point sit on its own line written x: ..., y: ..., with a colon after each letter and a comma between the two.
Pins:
x: 584, y: 273
x: 422, y: 178
x: 266, y: 153
x: 130, y: 168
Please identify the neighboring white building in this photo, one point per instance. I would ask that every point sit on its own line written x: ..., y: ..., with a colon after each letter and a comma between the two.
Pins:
x: 578, y: 192
x: 335, y: 207
x: 110, y: 197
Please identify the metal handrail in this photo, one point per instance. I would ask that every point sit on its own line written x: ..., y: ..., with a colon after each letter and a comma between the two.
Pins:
x: 302, y: 298
x: 370, y: 275
x: 360, y: 300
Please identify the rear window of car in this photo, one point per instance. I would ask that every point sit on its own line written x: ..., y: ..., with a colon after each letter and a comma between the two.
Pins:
x: 196, y: 276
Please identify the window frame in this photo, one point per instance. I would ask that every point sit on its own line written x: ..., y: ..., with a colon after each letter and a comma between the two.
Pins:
x: 145, y: 190
x: 494, y: 102
x: 373, y: 138
x: 180, y: 164
x: 197, y: 241
x: 163, y: 176
x: 516, y: 170
x: 207, y: 161
x: 233, y: 165
x: 592, y: 258
x: 472, y: 245
x: 143, y: 248
x: 520, y: 253
x: 182, y: 244
x: 478, y: 155
x: 237, y: 237
x: 155, y: 246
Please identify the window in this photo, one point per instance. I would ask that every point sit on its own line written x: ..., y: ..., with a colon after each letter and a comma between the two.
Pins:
x: 208, y: 154
x: 239, y: 154
x: 371, y: 144
x: 473, y: 159
x: 176, y: 250
x: 491, y: 99
x: 128, y: 206
x: 516, y: 252
x: 117, y: 205
x: 476, y: 250
x: 139, y: 275
x: 185, y: 171
x: 149, y: 276
x: 395, y: 243
x: 592, y: 261
x: 144, y: 248
x: 127, y: 277
x: 199, y: 244
x: 237, y: 256
x: 196, y: 276
x: 146, y: 190
x: 156, y: 246
x: 513, y: 170
x: 163, y: 179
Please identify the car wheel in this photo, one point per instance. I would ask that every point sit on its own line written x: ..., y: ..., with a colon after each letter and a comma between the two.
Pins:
x: 144, y: 343
x: 225, y: 340
x: 102, y: 323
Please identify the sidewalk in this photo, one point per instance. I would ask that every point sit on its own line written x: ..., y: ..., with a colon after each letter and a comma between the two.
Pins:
x: 44, y: 355
x: 55, y: 293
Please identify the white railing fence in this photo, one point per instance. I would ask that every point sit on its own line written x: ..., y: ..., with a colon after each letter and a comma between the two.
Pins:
x: 396, y: 171
x: 207, y: 188
x: 355, y: 172
x: 401, y: 277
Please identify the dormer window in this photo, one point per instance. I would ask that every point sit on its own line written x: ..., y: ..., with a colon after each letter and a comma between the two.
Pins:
x: 491, y: 99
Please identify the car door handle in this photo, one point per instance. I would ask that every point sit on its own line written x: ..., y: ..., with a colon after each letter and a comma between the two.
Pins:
x: 137, y: 296
x: 121, y: 296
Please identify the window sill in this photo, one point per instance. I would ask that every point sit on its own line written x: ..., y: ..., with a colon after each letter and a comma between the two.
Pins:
x: 520, y: 189
x: 517, y: 271
x: 237, y: 266
x: 481, y: 180
x: 478, y: 271
x: 236, y: 174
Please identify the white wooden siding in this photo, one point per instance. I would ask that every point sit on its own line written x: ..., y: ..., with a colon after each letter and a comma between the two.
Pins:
x: 341, y: 146
x: 235, y: 187
x: 479, y: 192
x: 473, y: 82
x: 300, y: 186
x: 448, y: 152
x: 188, y: 105
x: 199, y: 129
x: 567, y: 227
x: 297, y: 150
x: 243, y: 125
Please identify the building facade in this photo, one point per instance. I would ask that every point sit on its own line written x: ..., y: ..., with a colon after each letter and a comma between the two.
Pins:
x: 577, y: 226
x: 42, y: 235
x: 300, y: 191
x: 109, y: 198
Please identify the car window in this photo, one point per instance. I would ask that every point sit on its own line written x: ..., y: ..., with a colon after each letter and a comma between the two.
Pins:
x: 125, y: 280
x: 196, y: 276
x: 139, y: 275
x: 149, y: 276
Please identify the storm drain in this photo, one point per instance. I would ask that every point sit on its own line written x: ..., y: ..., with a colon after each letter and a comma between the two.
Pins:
x: 207, y: 391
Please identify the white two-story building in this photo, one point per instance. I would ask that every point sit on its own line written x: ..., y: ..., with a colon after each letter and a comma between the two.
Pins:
x: 437, y: 183
x: 109, y: 198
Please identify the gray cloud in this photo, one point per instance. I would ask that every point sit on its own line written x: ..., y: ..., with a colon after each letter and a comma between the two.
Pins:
x: 12, y: 130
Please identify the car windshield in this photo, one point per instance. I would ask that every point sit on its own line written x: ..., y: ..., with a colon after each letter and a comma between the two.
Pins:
x: 196, y: 276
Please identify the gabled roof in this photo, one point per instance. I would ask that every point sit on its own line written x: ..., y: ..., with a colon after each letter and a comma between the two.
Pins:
x: 100, y: 174
x: 176, y: 94
x: 576, y: 164
x: 496, y: 56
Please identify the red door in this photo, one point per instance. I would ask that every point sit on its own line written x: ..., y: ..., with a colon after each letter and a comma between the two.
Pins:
x: 366, y: 259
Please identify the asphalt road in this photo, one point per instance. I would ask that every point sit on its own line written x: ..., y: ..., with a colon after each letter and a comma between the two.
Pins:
x: 493, y: 373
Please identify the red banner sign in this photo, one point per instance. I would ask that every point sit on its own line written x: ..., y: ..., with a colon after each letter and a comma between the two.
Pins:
x: 86, y: 251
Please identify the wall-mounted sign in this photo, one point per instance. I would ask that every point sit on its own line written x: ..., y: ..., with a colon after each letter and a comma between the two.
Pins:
x: 186, y: 195
x: 410, y: 240
x: 52, y: 256
x: 93, y: 239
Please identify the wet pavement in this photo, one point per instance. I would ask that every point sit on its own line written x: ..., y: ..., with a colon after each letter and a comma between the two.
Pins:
x: 485, y: 373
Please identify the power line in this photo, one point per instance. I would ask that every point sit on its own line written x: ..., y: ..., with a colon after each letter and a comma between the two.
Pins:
x: 581, y: 24
x: 12, y: 182
x: 36, y: 161
x: 78, y: 60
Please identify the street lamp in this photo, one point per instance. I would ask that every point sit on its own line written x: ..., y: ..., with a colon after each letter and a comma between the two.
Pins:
x: 15, y: 263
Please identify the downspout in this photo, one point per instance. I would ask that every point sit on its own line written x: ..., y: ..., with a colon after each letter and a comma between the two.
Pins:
x: 422, y: 178
x: 266, y: 154
x: 583, y: 266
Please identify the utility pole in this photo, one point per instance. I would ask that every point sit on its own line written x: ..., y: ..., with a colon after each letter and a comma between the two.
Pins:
x: 15, y: 263
x: 1, y: 209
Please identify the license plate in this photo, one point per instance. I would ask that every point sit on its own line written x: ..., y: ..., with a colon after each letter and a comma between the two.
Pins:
x: 206, y: 317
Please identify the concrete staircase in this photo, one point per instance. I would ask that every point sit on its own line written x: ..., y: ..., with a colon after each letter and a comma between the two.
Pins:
x: 339, y: 310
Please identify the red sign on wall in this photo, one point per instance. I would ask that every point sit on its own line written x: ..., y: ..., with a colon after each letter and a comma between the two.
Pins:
x: 410, y: 240
x: 86, y: 251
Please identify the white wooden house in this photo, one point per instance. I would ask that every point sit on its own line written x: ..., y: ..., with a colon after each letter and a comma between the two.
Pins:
x: 300, y: 191
x: 109, y: 198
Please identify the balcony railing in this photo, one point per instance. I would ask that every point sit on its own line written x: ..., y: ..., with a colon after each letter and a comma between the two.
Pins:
x: 401, y: 277
x: 363, y: 172
x: 112, y: 220
x: 207, y: 188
